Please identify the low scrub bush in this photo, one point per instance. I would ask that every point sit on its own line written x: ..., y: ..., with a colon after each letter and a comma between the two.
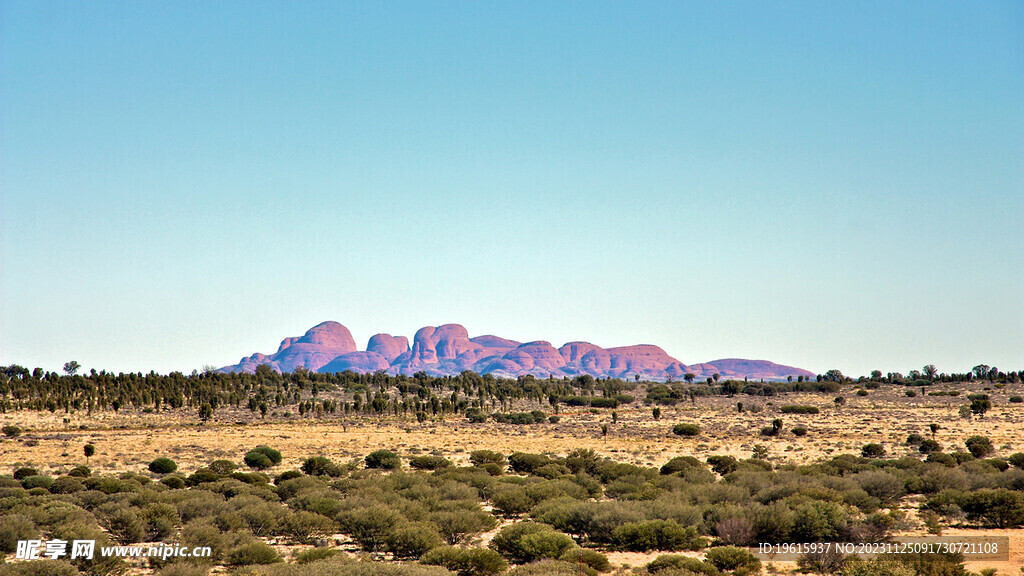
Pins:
x: 796, y: 409
x: 429, y: 462
x: 686, y: 429
x: 383, y: 459
x: 529, y: 541
x: 162, y: 465
x: 466, y: 561
x: 253, y: 553
x: 262, y: 457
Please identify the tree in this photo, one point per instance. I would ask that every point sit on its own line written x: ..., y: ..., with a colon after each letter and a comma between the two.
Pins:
x: 980, y: 371
x: 980, y: 405
x: 834, y: 375
x: 89, y: 450
x: 689, y: 376
x: 930, y: 371
x: 934, y: 428
x: 70, y: 368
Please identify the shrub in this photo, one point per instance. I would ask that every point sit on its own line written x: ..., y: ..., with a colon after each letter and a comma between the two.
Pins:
x: 384, y: 459
x: 1017, y: 459
x: 525, y: 463
x: 411, y: 540
x: 686, y: 429
x: 429, y: 462
x: 173, y: 482
x: 941, y: 458
x: 80, y: 472
x: 305, y: 527
x: 369, y: 526
x: 799, y: 431
x: 1016, y: 399
x: 862, y: 392
x: 22, y: 473
x: 929, y: 446
x: 15, y: 527
x: 37, y: 481
x: 554, y: 419
x: 678, y: 464
x: 656, y: 535
x: 67, y: 485
x: 262, y: 457
x: 466, y: 561
x: 483, y: 457
x: 222, y: 467
x: 312, y: 555
x: 253, y: 553
x: 591, y: 558
x: 910, y: 394
x: 731, y: 558
x: 979, y: 446
x: 722, y: 464
x: 872, y: 450
x: 11, y: 431
x: 795, y: 409
x: 529, y: 541
x: 681, y: 564
x: 162, y: 465
x: 287, y: 475
x: 914, y: 439
x: 45, y: 567
x: 322, y: 466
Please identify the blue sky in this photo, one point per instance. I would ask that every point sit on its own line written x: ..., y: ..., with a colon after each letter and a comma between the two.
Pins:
x: 826, y: 185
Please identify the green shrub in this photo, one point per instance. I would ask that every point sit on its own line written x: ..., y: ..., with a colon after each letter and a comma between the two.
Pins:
x: 679, y: 564
x: 15, y: 527
x: 657, y: 535
x: 466, y: 561
x: 592, y: 558
x: 686, y: 429
x: 678, y: 464
x: 304, y: 527
x: 315, y: 554
x: 1016, y: 399
x: 554, y: 419
x: 799, y: 431
x: 732, y: 558
x: 173, y: 482
x: 914, y: 439
x: 67, y: 485
x: 429, y: 462
x: 322, y: 466
x: 262, y: 457
x: 979, y: 446
x: 384, y: 459
x: 43, y: 482
x: 941, y: 458
x: 526, y: 463
x: 222, y: 467
x: 11, y: 431
x: 795, y: 409
x: 872, y: 450
x: 549, y: 567
x: 929, y: 446
x: 80, y: 472
x: 411, y: 540
x: 162, y: 465
x: 722, y: 464
x: 45, y: 567
x: 253, y: 553
x: 25, y: 472
x: 369, y: 526
x: 1017, y: 459
x: 482, y: 457
x: 529, y: 541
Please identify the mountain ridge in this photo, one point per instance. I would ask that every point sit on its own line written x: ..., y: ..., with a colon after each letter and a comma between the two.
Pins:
x: 448, y: 349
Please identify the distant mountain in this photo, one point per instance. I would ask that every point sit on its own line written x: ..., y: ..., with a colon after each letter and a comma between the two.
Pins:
x: 448, y: 349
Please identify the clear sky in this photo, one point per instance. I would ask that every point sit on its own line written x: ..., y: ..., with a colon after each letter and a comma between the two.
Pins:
x: 821, y: 184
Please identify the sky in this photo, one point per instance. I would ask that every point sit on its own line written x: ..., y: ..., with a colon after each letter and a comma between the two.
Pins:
x: 824, y: 185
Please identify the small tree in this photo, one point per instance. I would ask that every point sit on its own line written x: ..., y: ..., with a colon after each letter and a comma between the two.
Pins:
x: 979, y: 446
x: 88, y: 450
x: 384, y: 459
x: 70, y: 368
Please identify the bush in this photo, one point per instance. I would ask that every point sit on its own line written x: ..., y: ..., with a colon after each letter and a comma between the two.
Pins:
x: 45, y: 567
x: 222, y: 467
x: 872, y: 450
x: 1016, y: 399
x: 525, y: 463
x: 678, y: 464
x: 656, y: 535
x: 412, y: 540
x: 794, y: 409
x: 162, y: 465
x: 731, y: 558
x: 799, y: 431
x: 466, y: 561
x: 483, y: 457
x: 80, y: 472
x: 686, y: 429
x: 11, y: 431
x: 67, y: 485
x: 591, y: 558
x: 22, y: 473
x: 253, y: 553
x: 173, y: 482
x: 929, y: 446
x: 914, y: 439
x: 429, y: 462
x: 15, y: 527
x: 315, y: 554
x: 1017, y: 459
x: 529, y: 541
x: 979, y: 446
x: 722, y: 464
x: 384, y: 459
x: 322, y: 466
x: 677, y: 563
x: 305, y: 527
x: 262, y: 457
x: 38, y: 481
